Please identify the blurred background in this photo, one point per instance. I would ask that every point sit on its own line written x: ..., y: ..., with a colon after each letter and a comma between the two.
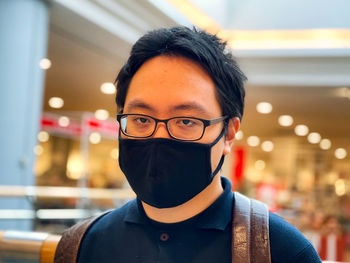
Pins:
x: 58, y: 137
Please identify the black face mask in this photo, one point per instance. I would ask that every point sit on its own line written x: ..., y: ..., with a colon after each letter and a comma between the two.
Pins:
x: 166, y: 173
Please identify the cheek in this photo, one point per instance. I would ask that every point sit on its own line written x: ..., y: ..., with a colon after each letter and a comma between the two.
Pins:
x: 216, y: 154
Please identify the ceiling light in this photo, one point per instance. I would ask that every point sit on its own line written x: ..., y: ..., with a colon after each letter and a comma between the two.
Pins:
x: 56, y: 102
x: 343, y: 92
x: 259, y: 165
x: 264, y: 107
x: 340, y: 153
x: 45, y: 63
x: 285, y: 120
x: 239, y: 135
x: 38, y: 150
x: 301, y: 130
x: 63, y: 121
x: 101, y: 114
x: 325, y: 144
x: 115, y: 154
x: 267, y: 146
x: 75, y: 166
x: 43, y: 136
x: 314, y: 137
x: 95, y: 138
x: 253, y: 141
x: 340, y: 187
x: 108, y: 88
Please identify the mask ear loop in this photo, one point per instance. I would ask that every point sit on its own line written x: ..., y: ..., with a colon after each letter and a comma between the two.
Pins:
x: 219, y: 137
x: 218, y: 168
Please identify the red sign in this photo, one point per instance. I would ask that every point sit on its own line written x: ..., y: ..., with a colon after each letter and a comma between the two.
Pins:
x: 107, y: 128
x: 51, y: 124
x: 238, y: 166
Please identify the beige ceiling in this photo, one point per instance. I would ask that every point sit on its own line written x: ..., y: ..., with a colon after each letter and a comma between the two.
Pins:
x: 77, y: 73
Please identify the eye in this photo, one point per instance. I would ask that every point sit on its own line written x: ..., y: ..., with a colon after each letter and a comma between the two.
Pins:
x: 141, y: 120
x: 186, y: 122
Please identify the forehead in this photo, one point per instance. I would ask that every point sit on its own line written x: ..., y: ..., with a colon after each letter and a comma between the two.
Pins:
x: 165, y: 82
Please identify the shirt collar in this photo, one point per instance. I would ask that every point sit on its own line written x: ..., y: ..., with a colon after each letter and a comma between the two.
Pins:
x: 216, y: 216
x: 134, y: 213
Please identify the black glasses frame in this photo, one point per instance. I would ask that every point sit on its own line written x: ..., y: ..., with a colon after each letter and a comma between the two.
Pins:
x: 206, y: 123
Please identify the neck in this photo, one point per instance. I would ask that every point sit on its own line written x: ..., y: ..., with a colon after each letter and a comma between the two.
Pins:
x: 189, y: 209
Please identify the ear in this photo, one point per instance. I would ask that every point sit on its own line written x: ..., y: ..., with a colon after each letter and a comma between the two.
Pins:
x: 232, y: 128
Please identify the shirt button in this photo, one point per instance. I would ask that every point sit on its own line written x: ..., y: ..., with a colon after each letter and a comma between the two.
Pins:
x: 164, y: 237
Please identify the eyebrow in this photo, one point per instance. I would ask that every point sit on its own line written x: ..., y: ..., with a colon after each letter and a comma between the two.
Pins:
x: 192, y: 106
x: 188, y: 106
x: 139, y: 104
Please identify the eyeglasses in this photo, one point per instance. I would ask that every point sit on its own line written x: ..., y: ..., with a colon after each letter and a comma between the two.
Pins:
x: 179, y: 128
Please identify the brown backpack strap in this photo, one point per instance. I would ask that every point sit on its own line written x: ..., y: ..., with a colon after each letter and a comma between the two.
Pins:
x: 68, y: 246
x: 260, y: 242
x: 250, y: 231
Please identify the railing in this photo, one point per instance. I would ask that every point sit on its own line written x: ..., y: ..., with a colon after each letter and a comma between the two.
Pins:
x: 25, y: 247
x: 36, y: 247
x: 64, y: 192
x: 34, y: 192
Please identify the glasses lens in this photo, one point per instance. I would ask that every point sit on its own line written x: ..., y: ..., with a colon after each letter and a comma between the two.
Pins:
x: 137, y: 125
x: 186, y: 128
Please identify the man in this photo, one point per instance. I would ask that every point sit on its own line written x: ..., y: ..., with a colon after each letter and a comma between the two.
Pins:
x: 180, y: 99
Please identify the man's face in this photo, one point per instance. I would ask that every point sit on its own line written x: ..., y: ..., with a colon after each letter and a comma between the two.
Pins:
x: 166, y: 87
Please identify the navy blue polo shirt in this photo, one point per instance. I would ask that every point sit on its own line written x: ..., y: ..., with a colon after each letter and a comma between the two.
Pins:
x: 128, y: 235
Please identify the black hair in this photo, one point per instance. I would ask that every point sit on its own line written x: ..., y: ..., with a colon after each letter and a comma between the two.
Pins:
x: 206, y: 49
